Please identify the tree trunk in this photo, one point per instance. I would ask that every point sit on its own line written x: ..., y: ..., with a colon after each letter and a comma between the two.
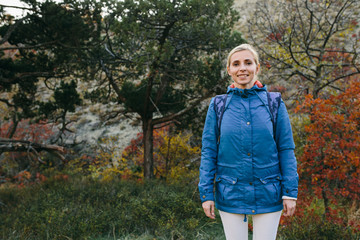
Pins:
x: 12, y: 129
x: 167, y: 163
x: 326, y: 204
x: 148, y: 148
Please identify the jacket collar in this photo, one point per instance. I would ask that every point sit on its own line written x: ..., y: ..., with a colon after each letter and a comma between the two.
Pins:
x: 258, y: 87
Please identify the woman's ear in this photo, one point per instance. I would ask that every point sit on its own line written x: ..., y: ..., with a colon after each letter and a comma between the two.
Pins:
x: 228, y: 70
x: 258, y: 68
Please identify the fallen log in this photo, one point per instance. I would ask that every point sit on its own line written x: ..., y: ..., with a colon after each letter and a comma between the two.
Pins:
x: 12, y: 145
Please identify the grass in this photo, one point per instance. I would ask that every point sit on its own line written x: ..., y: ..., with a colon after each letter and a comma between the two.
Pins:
x: 86, y: 209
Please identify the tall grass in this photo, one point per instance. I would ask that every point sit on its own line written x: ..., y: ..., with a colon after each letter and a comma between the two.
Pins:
x: 89, y: 209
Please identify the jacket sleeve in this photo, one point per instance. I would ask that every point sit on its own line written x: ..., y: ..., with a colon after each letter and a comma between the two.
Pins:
x: 208, y: 156
x: 286, y: 146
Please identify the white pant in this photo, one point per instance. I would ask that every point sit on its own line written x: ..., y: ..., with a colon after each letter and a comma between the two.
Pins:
x: 264, y: 225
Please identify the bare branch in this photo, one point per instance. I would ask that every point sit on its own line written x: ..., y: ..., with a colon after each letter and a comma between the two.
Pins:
x: 112, y: 81
x: 180, y: 113
x: 11, y: 29
x: 193, y: 104
x: 24, y: 8
x: 336, y: 79
x: 336, y: 19
x: 29, y: 47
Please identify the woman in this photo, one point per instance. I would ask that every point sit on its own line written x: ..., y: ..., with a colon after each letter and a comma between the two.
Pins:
x: 251, y: 161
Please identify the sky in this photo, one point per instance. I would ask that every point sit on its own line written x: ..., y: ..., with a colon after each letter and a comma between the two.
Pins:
x: 13, y: 11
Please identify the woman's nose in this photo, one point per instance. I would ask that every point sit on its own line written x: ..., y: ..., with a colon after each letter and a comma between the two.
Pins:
x: 242, y: 67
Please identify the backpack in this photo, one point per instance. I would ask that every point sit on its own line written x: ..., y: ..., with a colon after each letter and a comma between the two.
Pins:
x: 274, y: 100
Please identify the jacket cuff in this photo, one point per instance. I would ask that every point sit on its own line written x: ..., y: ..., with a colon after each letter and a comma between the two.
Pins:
x: 207, y: 197
x: 290, y: 187
x: 290, y: 192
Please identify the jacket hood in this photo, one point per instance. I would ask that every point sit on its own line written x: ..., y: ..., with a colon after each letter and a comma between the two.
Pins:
x: 258, y: 87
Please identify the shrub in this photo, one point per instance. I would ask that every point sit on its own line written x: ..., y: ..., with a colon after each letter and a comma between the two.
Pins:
x: 310, y: 222
x: 175, y: 159
x: 312, y: 227
x: 330, y: 161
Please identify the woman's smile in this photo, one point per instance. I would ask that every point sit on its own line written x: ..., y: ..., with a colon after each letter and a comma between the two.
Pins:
x: 243, y: 69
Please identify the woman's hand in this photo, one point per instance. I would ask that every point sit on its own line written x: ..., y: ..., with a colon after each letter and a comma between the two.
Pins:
x: 209, y: 209
x: 289, y: 207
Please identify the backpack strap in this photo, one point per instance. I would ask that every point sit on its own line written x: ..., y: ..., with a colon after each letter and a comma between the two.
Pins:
x: 274, y: 101
x: 219, y: 107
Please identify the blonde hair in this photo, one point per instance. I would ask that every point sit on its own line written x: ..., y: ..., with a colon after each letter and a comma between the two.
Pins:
x: 243, y: 47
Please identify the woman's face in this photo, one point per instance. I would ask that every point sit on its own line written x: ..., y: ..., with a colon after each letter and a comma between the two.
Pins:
x: 243, y: 69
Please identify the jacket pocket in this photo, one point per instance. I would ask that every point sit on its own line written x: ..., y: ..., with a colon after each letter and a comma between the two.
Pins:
x: 269, y: 191
x: 228, y: 191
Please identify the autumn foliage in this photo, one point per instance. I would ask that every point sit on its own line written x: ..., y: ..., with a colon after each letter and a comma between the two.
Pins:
x: 38, y: 132
x: 329, y: 167
x: 23, y: 167
x: 174, y: 157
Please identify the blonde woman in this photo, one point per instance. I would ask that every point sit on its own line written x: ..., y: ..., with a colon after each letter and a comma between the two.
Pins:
x: 249, y: 157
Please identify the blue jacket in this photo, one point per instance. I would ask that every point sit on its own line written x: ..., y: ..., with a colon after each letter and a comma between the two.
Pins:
x: 251, y: 171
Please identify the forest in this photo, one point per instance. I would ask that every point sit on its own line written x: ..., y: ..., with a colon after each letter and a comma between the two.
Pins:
x: 103, y: 103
